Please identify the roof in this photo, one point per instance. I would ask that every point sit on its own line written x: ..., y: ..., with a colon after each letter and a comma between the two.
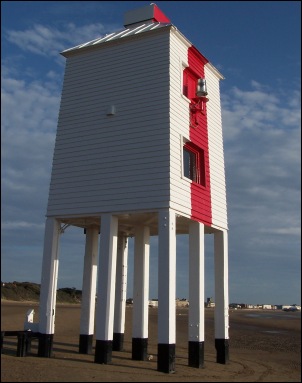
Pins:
x: 137, y: 21
x: 126, y: 32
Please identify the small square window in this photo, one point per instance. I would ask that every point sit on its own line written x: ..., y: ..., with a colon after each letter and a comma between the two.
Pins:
x: 189, y: 83
x: 193, y: 163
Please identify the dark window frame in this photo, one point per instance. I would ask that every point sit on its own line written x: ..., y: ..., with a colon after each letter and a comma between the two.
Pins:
x: 194, y: 163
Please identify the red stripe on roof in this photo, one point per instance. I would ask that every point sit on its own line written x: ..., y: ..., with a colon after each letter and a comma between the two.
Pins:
x: 159, y: 16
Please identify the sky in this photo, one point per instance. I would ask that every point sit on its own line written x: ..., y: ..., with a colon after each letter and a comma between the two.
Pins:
x: 256, y: 45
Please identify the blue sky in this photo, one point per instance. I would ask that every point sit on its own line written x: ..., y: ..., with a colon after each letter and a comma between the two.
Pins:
x: 256, y: 46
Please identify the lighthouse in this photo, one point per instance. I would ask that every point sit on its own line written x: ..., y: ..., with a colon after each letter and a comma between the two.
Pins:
x: 138, y: 153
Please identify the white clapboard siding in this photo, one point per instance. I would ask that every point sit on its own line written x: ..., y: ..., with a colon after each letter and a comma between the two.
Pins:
x: 216, y: 154
x: 180, y: 124
x: 121, y: 162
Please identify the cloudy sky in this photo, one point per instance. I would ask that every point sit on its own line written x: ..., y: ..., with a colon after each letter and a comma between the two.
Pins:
x: 256, y: 46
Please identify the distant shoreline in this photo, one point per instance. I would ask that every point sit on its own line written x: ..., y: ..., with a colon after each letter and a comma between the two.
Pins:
x: 11, y: 302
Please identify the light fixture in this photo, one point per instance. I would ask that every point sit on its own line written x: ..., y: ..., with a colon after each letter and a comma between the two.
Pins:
x: 111, y: 110
x: 201, y: 89
x: 197, y: 105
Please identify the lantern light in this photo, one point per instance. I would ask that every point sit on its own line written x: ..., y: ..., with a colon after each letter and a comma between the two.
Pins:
x: 201, y: 90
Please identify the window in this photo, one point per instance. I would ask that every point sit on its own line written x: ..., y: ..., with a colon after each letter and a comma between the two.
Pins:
x: 189, y: 83
x: 190, y: 164
x: 193, y: 163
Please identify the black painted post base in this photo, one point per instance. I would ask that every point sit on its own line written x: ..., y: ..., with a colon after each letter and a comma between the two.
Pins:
x: 85, y: 344
x: 118, y: 341
x: 222, y: 351
x: 139, y: 348
x: 103, y: 351
x: 45, y: 345
x: 2, y: 340
x: 166, y: 358
x: 196, y: 354
x: 21, y: 347
x: 28, y: 344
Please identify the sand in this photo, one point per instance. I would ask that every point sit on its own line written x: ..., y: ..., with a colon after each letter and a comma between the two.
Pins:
x: 263, y: 348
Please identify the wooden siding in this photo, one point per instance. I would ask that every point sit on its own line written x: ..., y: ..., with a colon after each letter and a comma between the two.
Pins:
x: 180, y: 122
x: 114, y: 163
x: 216, y: 153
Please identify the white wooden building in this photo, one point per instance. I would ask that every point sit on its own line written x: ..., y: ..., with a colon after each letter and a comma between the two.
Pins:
x: 138, y: 153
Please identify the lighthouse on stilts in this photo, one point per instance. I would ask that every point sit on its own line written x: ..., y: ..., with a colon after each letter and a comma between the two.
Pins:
x: 138, y: 152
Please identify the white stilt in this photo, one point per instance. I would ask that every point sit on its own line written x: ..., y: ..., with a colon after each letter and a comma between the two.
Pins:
x: 196, y: 294
x: 221, y: 296
x: 48, y: 291
x: 89, y: 290
x: 166, y: 291
x: 120, y: 293
x: 106, y: 289
x: 140, y: 293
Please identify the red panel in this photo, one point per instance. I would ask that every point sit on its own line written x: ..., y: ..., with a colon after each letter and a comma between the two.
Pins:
x: 159, y: 16
x: 201, y: 209
x: 189, y: 82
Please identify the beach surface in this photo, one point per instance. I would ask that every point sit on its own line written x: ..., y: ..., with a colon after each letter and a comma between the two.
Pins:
x: 265, y: 346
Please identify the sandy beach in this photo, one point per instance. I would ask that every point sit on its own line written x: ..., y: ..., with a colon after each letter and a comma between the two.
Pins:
x: 265, y: 346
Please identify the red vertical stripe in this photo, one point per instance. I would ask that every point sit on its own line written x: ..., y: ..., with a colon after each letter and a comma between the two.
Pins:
x: 201, y: 209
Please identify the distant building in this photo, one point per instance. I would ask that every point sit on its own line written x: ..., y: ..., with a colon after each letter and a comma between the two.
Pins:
x: 251, y: 306
x: 293, y: 307
x: 234, y: 306
x: 153, y: 303
x: 182, y: 302
x: 267, y: 307
x: 210, y: 302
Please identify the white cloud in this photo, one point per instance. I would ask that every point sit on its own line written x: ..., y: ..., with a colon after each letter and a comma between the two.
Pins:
x: 263, y: 168
x: 21, y: 224
x: 29, y: 119
x: 28, y: 130
x: 284, y: 231
x: 28, y: 106
x: 48, y: 41
x: 260, y: 110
